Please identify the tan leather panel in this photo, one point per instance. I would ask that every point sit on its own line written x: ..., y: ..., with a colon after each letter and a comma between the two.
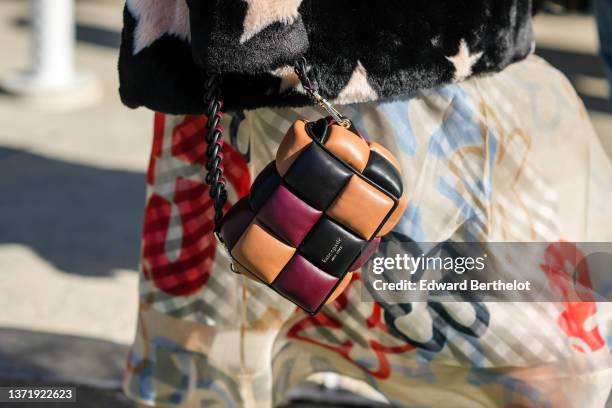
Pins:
x: 360, y: 207
x: 348, y: 146
x: 340, y: 288
x: 380, y: 149
x: 395, y: 216
x: 294, y: 142
x: 261, y: 253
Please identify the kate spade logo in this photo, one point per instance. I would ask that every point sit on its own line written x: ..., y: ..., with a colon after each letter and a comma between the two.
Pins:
x: 333, y: 252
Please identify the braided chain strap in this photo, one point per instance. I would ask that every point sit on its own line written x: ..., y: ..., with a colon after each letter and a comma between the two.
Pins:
x: 214, y: 133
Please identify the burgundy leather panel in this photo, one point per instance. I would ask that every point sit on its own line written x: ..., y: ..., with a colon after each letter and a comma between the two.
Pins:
x: 304, y: 283
x: 287, y: 216
x: 365, y: 254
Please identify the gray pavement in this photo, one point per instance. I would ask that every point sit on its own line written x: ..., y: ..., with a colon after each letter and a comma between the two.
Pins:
x: 570, y: 43
x: 72, y: 184
x: 94, y: 367
x: 72, y: 193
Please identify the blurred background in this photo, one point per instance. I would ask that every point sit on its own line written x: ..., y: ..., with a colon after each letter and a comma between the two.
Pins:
x: 72, y: 184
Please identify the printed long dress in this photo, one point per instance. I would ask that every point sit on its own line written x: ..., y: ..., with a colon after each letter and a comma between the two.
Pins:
x: 507, y: 157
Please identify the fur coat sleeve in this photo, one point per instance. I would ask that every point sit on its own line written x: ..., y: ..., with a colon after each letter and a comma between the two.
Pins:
x: 357, y: 50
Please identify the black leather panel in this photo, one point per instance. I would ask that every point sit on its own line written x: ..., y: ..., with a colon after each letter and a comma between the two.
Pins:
x: 383, y: 173
x: 317, y: 176
x: 331, y: 247
x: 318, y: 130
x: 264, y: 185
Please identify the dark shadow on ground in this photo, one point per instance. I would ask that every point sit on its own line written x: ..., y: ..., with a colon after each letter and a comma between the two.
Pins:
x: 82, y: 219
x: 573, y: 64
x: 87, y: 397
x: 95, y: 368
x: 87, y: 33
x: 55, y: 358
x: 94, y: 35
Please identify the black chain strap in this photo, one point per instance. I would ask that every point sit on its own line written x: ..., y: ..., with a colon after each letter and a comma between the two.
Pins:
x: 214, y: 132
x: 300, y: 67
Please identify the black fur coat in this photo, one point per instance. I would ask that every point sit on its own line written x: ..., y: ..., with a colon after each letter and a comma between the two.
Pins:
x: 357, y: 50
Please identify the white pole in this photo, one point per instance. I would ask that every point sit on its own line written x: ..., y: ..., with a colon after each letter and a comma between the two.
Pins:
x: 53, y: 42
x: 52, y: 81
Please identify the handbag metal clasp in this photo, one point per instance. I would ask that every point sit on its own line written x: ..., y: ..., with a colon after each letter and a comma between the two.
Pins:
x: 311, y: 89
x: 333, y: 112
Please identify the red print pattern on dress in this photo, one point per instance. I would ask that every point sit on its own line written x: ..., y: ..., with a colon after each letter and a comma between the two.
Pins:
x: 576, y: 315
x: 178, y: 243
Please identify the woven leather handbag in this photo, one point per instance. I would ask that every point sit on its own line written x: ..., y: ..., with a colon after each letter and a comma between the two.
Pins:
x: 314, y: 214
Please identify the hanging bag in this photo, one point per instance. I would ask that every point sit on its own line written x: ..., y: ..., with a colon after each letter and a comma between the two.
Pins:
x: 313, y: 215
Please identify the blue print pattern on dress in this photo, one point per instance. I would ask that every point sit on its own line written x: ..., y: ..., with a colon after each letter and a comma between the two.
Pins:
x: 398, y: 114
x: 411, y: 224
x: 459, y: 138
x: 459, y: 127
